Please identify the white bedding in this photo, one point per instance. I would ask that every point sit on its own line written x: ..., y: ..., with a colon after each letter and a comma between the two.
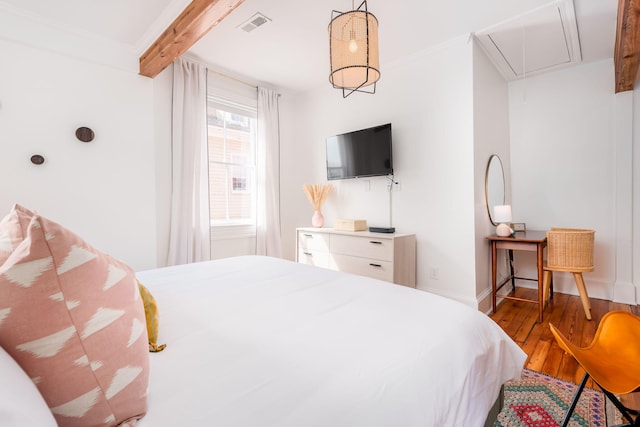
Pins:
x: 258, y: 341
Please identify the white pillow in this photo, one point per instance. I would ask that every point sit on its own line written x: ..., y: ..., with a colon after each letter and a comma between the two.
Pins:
x: 21, y: 404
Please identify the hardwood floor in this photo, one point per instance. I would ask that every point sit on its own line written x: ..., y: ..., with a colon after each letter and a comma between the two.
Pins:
x: 520, y: 321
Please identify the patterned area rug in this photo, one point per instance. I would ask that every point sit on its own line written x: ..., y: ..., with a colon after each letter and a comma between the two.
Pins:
x: 540, y: 400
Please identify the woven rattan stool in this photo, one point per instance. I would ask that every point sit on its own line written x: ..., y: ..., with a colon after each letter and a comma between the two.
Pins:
x: 570, y: 250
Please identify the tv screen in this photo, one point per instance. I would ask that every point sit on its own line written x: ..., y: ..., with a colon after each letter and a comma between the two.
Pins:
x: 361, y: 153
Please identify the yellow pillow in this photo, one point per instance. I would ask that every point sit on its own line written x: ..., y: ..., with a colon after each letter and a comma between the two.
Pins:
x: 152, y: 317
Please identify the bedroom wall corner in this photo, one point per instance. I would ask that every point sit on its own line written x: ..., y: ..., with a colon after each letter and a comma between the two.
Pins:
x: 491, y: 136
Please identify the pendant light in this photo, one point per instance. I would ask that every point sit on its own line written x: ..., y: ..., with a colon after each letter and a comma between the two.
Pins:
x: 353, y: 50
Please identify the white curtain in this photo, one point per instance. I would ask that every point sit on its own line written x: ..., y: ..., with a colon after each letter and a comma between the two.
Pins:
x: 268, y: 173
x: 189, y: 239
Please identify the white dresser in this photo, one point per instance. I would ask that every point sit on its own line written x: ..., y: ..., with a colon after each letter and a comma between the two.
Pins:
x: 389, y: 257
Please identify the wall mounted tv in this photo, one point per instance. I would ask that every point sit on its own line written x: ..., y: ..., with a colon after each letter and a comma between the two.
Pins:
x: 365, y: 152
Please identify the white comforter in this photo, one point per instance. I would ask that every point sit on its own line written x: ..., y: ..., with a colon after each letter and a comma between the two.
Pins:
x: 258, y: 341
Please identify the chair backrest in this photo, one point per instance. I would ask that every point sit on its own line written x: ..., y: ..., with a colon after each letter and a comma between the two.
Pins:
x: 611, y: 358
x: 570, y: 248
x: 620, y: 331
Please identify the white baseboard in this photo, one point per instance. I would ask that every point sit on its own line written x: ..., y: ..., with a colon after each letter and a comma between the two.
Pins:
x: 620, y: 292
x: 624, y: 292
x: 484, y: 301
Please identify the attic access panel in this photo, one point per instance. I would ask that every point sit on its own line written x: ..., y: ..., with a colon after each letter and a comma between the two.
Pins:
x: 541, y: 40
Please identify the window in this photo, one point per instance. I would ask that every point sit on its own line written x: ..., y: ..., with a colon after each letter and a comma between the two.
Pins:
x: 232, y: 163
x: 240, y: 175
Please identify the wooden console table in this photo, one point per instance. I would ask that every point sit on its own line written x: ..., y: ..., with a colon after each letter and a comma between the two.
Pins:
x: 532, y: 241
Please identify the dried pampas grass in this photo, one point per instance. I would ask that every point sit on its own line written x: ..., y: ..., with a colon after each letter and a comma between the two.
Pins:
x: 317, y: 194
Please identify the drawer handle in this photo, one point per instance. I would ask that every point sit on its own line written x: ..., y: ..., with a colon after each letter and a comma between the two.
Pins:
x: 373, y: 242
x: 308, y: 235
x: 375, y: 265
x: 308, y: 253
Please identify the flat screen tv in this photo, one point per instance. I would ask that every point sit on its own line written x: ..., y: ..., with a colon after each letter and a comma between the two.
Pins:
x: 365, y: 152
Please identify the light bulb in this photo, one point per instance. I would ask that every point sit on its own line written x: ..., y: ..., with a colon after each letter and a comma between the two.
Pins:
x: 353, y: 46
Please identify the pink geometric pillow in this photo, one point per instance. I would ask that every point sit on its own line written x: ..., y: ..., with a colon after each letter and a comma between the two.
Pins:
x: 72, y: 318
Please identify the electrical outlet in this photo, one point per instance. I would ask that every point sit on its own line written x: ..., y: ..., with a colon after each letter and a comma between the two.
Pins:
x: 434, y: 273
x: 519, y: 226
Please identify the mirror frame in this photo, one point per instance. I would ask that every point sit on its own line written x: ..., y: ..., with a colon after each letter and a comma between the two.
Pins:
x: 496, y: 161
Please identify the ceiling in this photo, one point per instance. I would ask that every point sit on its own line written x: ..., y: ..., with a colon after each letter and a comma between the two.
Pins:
x: 291, y: 50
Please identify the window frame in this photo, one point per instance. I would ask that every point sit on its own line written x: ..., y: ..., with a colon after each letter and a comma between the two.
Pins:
x: 243, y: 227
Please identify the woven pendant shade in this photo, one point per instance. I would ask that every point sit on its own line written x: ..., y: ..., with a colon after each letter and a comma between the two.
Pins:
x: 353, y: 44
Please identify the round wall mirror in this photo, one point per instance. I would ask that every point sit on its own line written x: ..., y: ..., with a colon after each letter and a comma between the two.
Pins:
x: 494, y: 185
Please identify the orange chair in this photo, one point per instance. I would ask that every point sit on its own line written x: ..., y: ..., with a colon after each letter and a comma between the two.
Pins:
x: 570, y: 250
x: 612, y: 360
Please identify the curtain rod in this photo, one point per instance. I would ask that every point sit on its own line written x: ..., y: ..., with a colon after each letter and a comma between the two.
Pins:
x: 209, y: 68
x: 235, y: 79
x: 231, y: 78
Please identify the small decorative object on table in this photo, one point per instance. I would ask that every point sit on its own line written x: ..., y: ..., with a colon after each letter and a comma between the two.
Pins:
x: 502, y: 214
x: 350, y: 224
x: 317, y: 194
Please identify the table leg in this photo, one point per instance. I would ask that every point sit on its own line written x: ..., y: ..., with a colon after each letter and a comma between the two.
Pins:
x: 539, y: 251
x: 513, y: 275
x: 494, y: 251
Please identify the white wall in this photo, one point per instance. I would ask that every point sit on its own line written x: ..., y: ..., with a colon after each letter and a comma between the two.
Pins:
x: 563, y: 146
x: 635, y: 207
x: 162, y: 103
x: 290, y: 188
x: 429, y: 101
x: 103, y: 190
x: 491, y: 136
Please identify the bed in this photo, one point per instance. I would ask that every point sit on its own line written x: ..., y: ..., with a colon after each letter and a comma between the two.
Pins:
x: 251, y: 341
x: 260, y: 341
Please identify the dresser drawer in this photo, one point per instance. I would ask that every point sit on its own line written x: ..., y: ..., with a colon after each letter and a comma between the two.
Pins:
x: 381, y: 270
x: 311, y: 257
x: 308, y: 240
x: 365, y: 247
x: 387, y: 257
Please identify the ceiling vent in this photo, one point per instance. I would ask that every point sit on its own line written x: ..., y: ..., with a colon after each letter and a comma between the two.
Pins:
x: 254, y: 22
x: 541, y: 40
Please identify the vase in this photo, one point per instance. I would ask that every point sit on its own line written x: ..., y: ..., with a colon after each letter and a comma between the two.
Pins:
x: 317, y: 220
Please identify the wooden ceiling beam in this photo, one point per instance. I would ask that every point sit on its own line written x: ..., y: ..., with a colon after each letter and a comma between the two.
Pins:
x: 194, y: 22
x: 626, y: 56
